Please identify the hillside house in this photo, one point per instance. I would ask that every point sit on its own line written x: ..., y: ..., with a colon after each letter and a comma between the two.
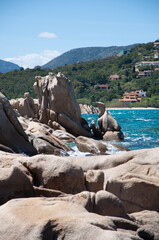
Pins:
x: 148, y: 63
x: 147, y: 56
x: 140, y: 93
x: 130, y: 99
x: 145, y: 73
x: 133, y: 96
x: 155, y: 64
x: 156, y: 44
x: 102, y: 86
x: 114, y: 77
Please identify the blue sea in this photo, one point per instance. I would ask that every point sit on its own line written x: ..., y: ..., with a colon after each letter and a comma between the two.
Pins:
x: 140, y: 127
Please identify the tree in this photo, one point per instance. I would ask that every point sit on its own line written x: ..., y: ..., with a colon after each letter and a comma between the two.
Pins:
x: 37, y: 68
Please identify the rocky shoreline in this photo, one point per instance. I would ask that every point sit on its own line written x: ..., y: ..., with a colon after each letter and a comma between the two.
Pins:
x: 46, y: 194
x: 95, y: 197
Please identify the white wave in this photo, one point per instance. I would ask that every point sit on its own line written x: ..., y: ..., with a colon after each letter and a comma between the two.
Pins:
x: 147, y: 138
x: 77, y: 153
x: 136, y: 139
x: 111, y: 150
x: 142, y: 119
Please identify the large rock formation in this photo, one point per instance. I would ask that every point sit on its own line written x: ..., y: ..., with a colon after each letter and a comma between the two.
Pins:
x: 58, y: 108
x: 26, y: 106
x: 43, y: 139
x: 37, y: 137
x: 41, y: 218
x: 57, y: 99
x: 87, y: 195
x: 12, y: 134
x: 106, y: 123
x: 85, y: 144
x: 88, y: 109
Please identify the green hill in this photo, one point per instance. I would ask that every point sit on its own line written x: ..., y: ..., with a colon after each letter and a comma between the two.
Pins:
x: 86, y: 75
x: 84, y: 55
x: 7, y: 66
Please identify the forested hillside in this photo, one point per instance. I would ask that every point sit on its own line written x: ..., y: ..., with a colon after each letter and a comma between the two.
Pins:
x: 85, y: 54
x: 14, y: 84
x: 86, y: 75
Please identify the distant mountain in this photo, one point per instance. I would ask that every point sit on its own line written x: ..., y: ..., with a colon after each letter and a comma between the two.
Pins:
x: 85, y: 54
x: 7, y: 66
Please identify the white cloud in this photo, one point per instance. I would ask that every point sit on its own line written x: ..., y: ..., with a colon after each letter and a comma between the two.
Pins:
x: 47, y: 35
x: 33, y: 59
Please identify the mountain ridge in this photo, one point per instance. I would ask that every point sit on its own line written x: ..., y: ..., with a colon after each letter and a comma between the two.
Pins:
x: 85, y: 54
x: 6, y: 66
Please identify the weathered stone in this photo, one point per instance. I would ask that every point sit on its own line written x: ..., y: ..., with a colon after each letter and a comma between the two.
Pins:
x: 149, y: 222
x: 88, y: 109
x: 58, y: 103
x: 11, y: 115
x: 44, y: 141
x: 123, y: 224
x: 72, y: 127
x: 59, y: 99
x: 12, y: 134
x: 136, y: 192
x: 45, y: 147
x: 120, y: 147
x: 90, y: 145
x: 57, y: 126
x: 64, y: 136
x: 117, y: 136
x: 41, y: 218
x: 131, y: 179
x: 53, y: 141
x: 56, y: 173
x: 94, y: 180
x: 25, y: 106
x: 107, y: 204
x: 45, y: 192
x: 85, y: 199
x: 101, y: 109
x: 96, y: 132
x: 145, y: 234
x: 107, y: 123
x: 14, y: 183
x: 6, y: 149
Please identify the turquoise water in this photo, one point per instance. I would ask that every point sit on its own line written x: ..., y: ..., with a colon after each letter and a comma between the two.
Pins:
x: 140, y: 127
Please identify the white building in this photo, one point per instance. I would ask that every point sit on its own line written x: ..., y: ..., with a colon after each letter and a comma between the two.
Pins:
x: 141, y: 93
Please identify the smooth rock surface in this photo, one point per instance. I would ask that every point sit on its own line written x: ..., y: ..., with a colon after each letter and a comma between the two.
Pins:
x: 12, y: 134
x: 94, y: 180
x: 68, y: 209
x: 41, y: 218
x: 148, y: 220
x: 56, y: 173
x: 85, y: 144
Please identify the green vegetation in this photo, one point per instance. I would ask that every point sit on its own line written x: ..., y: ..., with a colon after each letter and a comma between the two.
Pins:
x: 87, y: 74
x: 14, y: 84
x: 85, y: 54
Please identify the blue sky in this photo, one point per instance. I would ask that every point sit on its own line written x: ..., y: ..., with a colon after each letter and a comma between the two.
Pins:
x: 33, y: 32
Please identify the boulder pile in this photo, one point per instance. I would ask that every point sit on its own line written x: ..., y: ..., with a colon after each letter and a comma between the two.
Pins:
x: 104, y: 197
x: 58, y: 108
